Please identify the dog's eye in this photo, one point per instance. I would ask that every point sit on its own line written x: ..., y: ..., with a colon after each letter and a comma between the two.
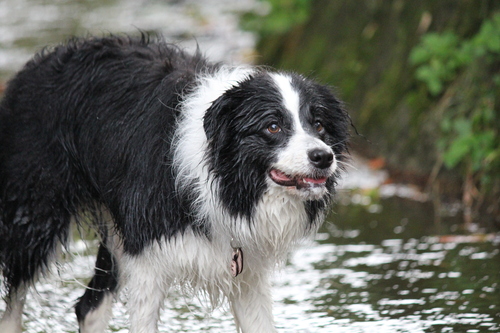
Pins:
x: 318, y: 126
x: 274, y: 128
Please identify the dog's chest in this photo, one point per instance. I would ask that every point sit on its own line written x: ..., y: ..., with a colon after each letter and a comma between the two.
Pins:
x: 279, y: 223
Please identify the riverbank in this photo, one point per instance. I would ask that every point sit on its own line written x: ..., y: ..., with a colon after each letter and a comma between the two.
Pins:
x: 419, y: 79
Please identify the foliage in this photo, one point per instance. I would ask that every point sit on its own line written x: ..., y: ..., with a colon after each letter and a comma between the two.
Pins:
x: 465, y: 69
x: 439, y: 60
x: 471, y: 139
x: 276, y: 16
x: 440, y: 56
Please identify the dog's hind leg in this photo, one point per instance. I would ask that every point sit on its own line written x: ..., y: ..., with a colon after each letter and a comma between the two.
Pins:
x: 31, y: 235
x: 93, y: 309
x: 12, y: 318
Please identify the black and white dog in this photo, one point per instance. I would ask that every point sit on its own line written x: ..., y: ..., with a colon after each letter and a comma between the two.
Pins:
x: 194, y: 174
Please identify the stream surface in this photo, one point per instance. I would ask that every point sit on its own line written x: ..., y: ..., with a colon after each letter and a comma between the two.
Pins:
x: 381, y: 262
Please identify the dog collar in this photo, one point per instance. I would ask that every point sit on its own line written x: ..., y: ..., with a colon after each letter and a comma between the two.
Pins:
x: 236, y: 260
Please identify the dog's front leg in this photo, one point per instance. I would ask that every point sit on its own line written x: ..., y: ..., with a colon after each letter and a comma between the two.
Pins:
x: 145, y: 289
x: 251, y: 304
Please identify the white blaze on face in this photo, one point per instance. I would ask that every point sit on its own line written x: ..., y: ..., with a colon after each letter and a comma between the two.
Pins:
x: 291, y: 98
x: 293, y: 160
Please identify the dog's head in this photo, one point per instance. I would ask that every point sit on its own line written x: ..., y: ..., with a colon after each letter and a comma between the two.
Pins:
x: 275, y: 131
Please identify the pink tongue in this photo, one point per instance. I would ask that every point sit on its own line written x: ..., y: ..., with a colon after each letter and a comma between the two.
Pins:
x: 280, y: 176
x: 315, y: 180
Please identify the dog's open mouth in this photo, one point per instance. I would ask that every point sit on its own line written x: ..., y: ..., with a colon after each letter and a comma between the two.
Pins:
x: 281, y: 178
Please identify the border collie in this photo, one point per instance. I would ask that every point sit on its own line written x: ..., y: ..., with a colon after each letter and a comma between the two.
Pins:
x: 194, y: 174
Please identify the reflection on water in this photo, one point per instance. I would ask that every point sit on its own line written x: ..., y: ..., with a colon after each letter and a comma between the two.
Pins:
x: 393, y: 271
x: 434, y: 280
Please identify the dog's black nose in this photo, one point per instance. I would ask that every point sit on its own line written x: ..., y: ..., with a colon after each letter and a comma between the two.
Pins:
x: 320, y: 158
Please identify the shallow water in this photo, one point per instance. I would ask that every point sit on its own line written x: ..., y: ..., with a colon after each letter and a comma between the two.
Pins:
x: 380, y: 263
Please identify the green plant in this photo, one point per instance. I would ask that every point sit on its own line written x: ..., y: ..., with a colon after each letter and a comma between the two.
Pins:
x: 470, y: 139
x: 466, y: 71
x: 439, y: 57
x: 437, y: 60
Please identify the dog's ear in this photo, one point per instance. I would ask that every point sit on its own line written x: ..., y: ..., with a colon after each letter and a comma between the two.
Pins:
x: 220, y: 114
x: 210, y: 123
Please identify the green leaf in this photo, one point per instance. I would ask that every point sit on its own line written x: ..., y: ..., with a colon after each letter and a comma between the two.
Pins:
x: 463, y: 127
x: 457, y: 152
